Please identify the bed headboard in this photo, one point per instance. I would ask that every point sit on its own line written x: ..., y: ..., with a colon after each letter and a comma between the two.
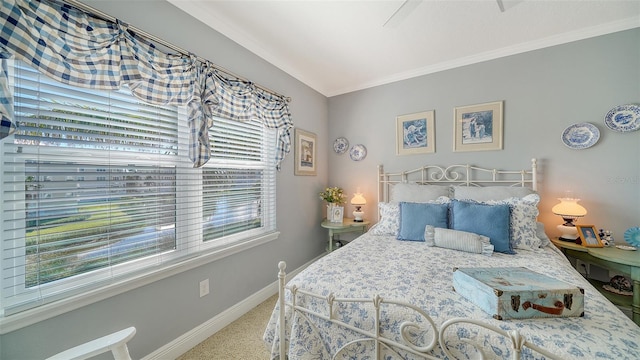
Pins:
x: 460, y: 175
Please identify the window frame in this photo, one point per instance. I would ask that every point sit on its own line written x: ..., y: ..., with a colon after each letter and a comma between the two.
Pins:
x: 100, y: 284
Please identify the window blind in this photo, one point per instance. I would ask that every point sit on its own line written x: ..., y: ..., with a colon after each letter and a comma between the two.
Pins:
x: 95, y: 187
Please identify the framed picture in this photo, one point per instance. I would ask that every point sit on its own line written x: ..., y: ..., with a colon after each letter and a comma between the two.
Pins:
x: 337, y: 213
x: 478, y: 127
x: 305, y: 153
x: 589, y: 236
x: 415, y: 134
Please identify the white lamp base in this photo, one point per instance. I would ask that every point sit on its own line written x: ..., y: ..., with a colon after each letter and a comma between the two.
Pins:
x: 358, y: 216
x: 569, y: 233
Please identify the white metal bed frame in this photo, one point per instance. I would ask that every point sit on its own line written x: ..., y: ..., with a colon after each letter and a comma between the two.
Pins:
x: 464, y: 175
x: 461, y: 175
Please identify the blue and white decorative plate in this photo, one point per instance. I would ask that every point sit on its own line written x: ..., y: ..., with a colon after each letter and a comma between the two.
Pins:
x: 341, y: 145
x: 358, y: 152
x: 580, y: 136
x: 632, y: 236
x: 623, y: 118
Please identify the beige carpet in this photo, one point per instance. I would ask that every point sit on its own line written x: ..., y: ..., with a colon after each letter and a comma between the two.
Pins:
x: 241, y: 339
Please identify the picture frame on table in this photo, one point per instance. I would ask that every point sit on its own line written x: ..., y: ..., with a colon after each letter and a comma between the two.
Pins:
x: 415, y: 133
x: 337, y: 214
x: 589, y: 236
x: 478, y: 127
x: 305, y: 145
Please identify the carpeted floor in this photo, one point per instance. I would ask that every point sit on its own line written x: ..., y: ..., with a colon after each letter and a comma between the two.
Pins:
x: 241, y: 339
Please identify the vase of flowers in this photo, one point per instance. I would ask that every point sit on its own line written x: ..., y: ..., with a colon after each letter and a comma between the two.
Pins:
x: 334, y: 196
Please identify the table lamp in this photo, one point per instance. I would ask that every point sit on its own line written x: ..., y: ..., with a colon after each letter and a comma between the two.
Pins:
x: 570, y: 211
x: 358, y: 200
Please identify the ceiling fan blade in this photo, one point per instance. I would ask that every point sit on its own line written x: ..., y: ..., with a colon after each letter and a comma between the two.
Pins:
x: 401, y: 13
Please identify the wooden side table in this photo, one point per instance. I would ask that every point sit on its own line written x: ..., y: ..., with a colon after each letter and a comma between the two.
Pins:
x: 627, y: 262
x: 347, y: 225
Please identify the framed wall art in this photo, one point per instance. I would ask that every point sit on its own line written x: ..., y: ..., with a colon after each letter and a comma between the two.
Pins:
x: 305, y: 153
x: 478, y: 127
x: 415, y: 133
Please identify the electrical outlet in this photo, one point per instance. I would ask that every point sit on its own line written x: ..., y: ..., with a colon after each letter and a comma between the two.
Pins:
x: 204, y: 287
x: 583, y: 268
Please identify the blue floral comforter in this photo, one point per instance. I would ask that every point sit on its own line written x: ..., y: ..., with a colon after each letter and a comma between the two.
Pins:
x: 422, y: 275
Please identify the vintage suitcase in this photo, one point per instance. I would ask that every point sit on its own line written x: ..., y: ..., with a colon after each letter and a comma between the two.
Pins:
x: 518, y: 293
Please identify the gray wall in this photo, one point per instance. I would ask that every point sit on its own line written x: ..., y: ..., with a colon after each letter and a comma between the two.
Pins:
x: 164, y: 310
x: 544, y: 91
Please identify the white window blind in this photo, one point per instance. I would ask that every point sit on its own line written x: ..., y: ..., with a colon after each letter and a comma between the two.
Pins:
x: 97, y: 186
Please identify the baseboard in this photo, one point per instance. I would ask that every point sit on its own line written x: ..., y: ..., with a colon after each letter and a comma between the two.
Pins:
x: 202, y: 332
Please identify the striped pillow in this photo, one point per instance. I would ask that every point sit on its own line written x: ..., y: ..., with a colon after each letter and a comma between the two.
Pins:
x: 457, y: 240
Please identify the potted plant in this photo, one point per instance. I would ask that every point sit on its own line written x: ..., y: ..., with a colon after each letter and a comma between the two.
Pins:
x: 335, y: 197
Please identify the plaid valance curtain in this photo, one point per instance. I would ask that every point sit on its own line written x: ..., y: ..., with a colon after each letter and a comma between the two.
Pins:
x: 79, y: 49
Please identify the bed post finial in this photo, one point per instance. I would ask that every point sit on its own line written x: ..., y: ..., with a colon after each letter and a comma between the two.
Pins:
x: 534, y: 174
x: 281, y: 283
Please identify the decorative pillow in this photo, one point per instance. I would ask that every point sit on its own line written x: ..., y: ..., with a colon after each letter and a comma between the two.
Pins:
x: 457, y: 240
x: 410, y: 192
x: 523, y: 221
x: 483, y: 219
x: 490, y: 192
x: 389, y: 223
x: 415, y: 216
x: 389, y: 219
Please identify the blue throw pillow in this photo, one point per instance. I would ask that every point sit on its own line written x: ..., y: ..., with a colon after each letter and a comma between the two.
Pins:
x: 414, y: 217
x: 491, y: 221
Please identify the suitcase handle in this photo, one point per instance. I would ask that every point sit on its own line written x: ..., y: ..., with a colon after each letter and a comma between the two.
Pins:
x: 557, y: 310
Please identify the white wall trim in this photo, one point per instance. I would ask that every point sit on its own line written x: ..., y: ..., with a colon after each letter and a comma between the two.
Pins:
x: 203, y: 331
x: 560, y: 39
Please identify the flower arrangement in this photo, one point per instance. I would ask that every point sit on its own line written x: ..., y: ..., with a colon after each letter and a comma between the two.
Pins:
x: 333, y: 195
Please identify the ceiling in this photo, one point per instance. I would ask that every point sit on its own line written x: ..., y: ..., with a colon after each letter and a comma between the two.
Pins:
x: 339, y: 46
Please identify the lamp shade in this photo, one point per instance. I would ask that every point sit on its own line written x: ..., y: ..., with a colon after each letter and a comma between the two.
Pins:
x: 358, y: 199
x: 569, y: 207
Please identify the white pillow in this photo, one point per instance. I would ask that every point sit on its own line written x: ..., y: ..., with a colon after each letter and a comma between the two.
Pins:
x: 389, y: 223
x: 489, y: 193
x: 411, y: 192
x: 542, y: 235
x: 523, y: 233
x: 457, y: 240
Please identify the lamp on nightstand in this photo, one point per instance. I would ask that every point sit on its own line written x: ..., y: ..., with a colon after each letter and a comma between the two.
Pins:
x: 358, y: 200
x: 570, y: 211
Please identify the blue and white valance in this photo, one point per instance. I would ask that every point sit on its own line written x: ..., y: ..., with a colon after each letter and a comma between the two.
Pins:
x: 79, y: 49
x: 7, y: 125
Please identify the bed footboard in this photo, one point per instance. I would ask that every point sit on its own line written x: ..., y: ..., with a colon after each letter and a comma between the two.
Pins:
x: 414, y: 335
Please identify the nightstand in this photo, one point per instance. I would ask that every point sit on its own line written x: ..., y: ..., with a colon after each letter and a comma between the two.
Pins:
x: 627, y: 262
x: 347, y: 225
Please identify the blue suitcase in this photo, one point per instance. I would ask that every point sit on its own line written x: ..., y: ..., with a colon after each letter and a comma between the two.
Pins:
x: 518, y: 293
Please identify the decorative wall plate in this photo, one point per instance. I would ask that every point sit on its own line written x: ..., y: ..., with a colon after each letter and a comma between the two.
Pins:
x: 358, y: 152
x: 580, y: 136
x: 623, y: 118
x: 632, y: 236
x: 341, y: 145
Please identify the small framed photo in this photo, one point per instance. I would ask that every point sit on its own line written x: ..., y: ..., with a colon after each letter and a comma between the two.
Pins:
x: 337, y: 214
x: 478, y: 127
x: 415, y: 134
x: 305, y: 153
x: 589, y: 236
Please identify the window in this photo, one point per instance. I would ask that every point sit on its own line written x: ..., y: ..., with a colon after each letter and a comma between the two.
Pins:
x: 97, y: 186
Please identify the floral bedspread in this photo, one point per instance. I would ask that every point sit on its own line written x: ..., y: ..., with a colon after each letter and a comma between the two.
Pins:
x: 421, y: 275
